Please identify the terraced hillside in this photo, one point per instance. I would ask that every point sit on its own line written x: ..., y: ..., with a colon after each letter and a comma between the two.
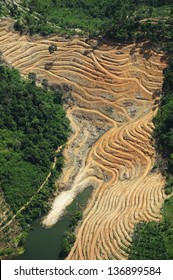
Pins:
x: 111, y: 95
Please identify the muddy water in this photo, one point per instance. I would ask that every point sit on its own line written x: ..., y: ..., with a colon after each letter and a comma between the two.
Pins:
x: 46, y: 244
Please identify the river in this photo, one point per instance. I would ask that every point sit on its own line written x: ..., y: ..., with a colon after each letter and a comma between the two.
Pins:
x: 46, y: 243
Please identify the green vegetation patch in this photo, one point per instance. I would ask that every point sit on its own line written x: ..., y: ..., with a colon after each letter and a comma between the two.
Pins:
x: 32, y: 126
x: 153, y: 241
x: 69, y: 235
x: 148, y: 242
x: 164, y: 122
x: 168, y: 223
x: 118, y: 20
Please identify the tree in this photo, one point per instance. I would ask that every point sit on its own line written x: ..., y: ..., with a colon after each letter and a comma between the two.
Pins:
x: 32, y: 77
x: 52, y: 48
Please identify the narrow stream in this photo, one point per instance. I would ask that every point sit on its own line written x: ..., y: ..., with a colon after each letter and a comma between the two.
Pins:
x: 46, y: 244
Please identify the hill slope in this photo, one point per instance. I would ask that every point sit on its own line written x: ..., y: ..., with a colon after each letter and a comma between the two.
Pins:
x: 112, y: 94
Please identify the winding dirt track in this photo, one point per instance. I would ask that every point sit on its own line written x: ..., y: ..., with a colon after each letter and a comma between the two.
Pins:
x: 114, y: 96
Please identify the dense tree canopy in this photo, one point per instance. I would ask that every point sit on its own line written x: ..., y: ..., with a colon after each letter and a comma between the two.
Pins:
x: 32, y: 126
x: 118, y: 20
x: 164, y: 119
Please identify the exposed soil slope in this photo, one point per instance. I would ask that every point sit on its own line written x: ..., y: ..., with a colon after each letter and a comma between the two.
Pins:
x: 114, y: 95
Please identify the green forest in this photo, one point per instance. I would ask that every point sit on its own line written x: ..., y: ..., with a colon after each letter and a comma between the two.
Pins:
x: 32, y: 126
x: 120, y: 21
x: 33, y: 123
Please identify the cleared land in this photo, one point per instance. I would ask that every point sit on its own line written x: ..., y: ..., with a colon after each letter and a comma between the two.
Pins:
x: 112, y: 95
